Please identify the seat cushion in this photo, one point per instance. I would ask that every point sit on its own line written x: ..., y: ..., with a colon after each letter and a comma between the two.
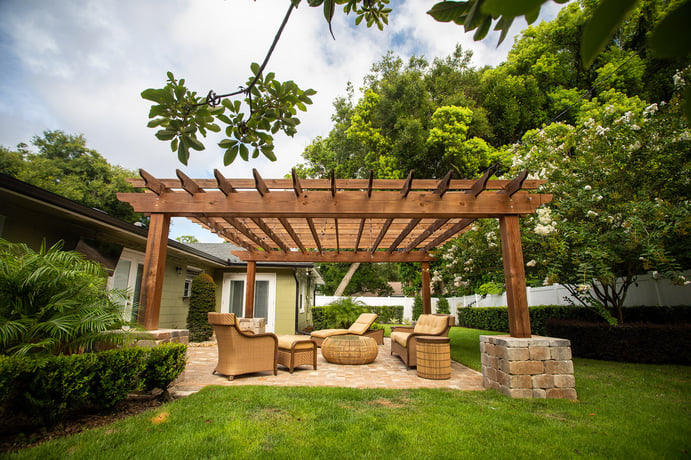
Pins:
x: 324, y: 333
x: 287, y: 341
x: 400, y: 337
x: 363, y: 323
x: 431, y: 324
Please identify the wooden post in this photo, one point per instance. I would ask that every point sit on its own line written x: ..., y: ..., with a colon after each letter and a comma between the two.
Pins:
x: 154, y: 268
x: 514, y: 273
x: 426, y: 291
x: 249, y: 285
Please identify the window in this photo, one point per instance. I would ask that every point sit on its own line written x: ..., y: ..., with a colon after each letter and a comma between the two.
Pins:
x: 189, y: 276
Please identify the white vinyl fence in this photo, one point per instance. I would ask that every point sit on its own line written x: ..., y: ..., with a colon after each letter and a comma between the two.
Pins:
x: 647, y: 291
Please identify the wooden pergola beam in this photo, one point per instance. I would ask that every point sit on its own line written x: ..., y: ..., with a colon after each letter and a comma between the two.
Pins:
x: 444, y: 185
x: 408, y: 184
x: 401, y: 236
x: 383, y: 204
x: 333, y: 257
x: 188, y: 185
x: 448, y: 234
x: 267, y: 230
x: 359, y: 234
x: 242, y: 228
x: 315, y: 236
x: 382, y: 233
x: 516, y: 184
x: 152, y: 183
x: 481, y: 184
x: 426, y: 234
x: 292, y: 233
x: 259, y: 183
x: 224, y: 184
x: 296, y: 182
x: 154, y: 270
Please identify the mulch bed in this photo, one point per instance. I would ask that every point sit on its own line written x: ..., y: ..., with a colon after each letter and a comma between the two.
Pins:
x: 17, y: 432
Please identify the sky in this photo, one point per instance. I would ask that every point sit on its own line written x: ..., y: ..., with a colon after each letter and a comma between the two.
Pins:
x: 80, y: 65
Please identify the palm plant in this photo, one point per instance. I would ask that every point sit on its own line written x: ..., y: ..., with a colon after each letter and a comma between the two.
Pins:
x: 343, y: 312
x: 53, y: 302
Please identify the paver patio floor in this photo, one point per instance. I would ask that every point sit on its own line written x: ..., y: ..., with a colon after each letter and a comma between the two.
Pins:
x: 385, y: 372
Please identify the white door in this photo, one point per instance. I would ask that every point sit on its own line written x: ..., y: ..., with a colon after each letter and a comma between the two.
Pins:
x: 127, y: 276
x: 234, y: 293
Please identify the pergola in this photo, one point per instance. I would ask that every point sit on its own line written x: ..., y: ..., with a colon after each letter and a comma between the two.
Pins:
x: 336, y: 220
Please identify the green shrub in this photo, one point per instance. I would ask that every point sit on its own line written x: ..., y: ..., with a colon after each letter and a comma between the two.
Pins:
x: 202, y: 301
x: 343, y: 312
x: 636, y: 343
x: 46, y: 388
x: 417, y: 307
x: 164, y: 364
x: 118, y: 375
x: 53, y: 302
x: 388, y: 314
x: 443, y: 306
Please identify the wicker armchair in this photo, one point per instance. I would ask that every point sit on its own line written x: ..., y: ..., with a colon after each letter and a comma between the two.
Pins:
x: 359, y: 327
x: 403, y: 339
x: 242, y: 352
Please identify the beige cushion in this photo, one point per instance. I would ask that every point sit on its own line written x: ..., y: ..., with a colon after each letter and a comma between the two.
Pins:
x: 431, y: 324
x: 399, y: 337
x: 324, y: 333
x: 363, y: 323
x: 287, y: 341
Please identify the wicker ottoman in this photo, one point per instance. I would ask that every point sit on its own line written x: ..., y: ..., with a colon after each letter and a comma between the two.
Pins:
x: 296, y: 350
x: 349, y: 349
x: 433, y: 357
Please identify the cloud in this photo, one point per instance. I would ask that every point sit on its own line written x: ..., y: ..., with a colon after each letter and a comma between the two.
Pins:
x: 80, y: 66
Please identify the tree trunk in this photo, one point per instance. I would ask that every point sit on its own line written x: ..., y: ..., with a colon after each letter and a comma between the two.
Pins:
x: 346, y: 279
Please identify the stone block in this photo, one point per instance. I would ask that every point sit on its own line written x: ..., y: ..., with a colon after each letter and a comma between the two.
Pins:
x: 520, y: 381
x: 526, y: 367
x: 539, y: 353
x: 493, y: 361
x: 518, y: 393
x: 484, y: 359
x: 513, y: 354
x: 543, y: 381
x: 503, y: 378
x: 511, y: 342
x: 562, y: 393
x: 564, y: 381
x: 539, y: 341
x: 490, y: 349
x: 560, y: 353
x: 484, y: 338
x: 559, y: 367
x: 539, y: 393
x: 490, y: 373
x: 555, y: 342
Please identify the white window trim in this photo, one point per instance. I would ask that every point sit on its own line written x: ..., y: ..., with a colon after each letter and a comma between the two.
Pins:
x: 225, y: 294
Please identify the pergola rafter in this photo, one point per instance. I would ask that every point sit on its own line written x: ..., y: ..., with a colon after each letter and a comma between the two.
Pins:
x: 325, y: 220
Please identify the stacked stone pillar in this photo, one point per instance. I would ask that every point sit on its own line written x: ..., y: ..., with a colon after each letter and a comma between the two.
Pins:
x: 532, y: 367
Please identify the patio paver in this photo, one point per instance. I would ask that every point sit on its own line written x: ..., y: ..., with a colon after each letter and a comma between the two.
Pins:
x: 385, y: 372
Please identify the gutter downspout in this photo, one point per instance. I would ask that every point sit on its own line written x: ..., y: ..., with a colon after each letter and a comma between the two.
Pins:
x: 297, y: 298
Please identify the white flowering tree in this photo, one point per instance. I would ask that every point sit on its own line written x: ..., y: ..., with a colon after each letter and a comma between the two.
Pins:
x: 620, y: 180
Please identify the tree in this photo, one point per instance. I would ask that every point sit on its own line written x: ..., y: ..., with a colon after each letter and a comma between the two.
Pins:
x: 202, y: 301
x: 64, y: 165
x: 182, y: 116
x: 187, y: 239
x: 369, y: 278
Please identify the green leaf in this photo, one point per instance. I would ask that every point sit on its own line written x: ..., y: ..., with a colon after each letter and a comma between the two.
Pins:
x: 474, y: 17
x: 165, y: 135
x: 329, y: 10
x: 156, y: 122
x: 213, y: 127
x: 449, y: 11
x: 194, y: 143
x: 170, y: 75
x: 608, y: 15
x: 309, y: 92
x: 183, y: 152
x: 155, y: 95
x: 511, y: 8
x: 244, y: 152
x: 255, y: 153
x: 254, y: 67
x: 481, y: 32
x: 671, y: 37
x: 268, y: 153
x: 227, y: 143
x: 174, y: 144
x: 230, y: 156
x: 531, y: 16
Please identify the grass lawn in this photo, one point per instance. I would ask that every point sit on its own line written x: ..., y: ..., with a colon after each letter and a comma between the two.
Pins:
x: 624, y: 411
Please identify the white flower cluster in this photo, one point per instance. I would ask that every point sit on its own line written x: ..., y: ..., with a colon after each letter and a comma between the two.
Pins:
x: 592, y: 213
x: 583, y: 288
x: 546, y: 225
x: 679, y: 80
x: 491, y: 238
x: 531, y: 263
x: 651, y: 109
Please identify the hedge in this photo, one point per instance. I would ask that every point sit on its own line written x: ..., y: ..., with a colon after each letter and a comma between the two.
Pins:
x: 391, y: 314
x: 638, y: 343
x: 47, y: 388
x: 497, y: 318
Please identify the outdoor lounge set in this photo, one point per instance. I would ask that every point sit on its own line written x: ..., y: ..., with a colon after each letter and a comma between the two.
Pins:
x: 242, y: 352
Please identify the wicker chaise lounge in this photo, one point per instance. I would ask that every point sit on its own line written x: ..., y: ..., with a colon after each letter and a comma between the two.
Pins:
x: 359, y: 327
x: 403, y: 339
x: 242, y: 352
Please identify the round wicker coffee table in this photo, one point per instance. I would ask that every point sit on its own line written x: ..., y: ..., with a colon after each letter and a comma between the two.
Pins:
x: 349, y: 349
